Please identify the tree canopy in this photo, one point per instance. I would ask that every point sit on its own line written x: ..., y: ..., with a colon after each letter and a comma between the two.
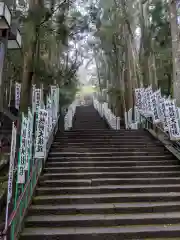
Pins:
x: 129, y: 42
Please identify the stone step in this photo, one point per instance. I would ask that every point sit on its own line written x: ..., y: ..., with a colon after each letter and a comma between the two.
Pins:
x: 70, y: 169
x: 94, y: 220
x: 122, y: 131
x: 103, y: 137
x: 107, y: 198
x: 97, y: 124
x: 104, y: 132
x: 107, y: 130
x: 107, y: 137
x: 108, y: 181
x: 109, y: 208
x: 106, y: 147
x: 133, y: 174
x: 164, y: 231
x: 110, y: 143
x: 94, y: 126
x: 94, y: 157
x: 77, y: 163
x: 83, y: 149
x: 173, y: 238
x: 150, y: 188
x: 108, y: 140
x: 109, y: 134
x: 80, y: 152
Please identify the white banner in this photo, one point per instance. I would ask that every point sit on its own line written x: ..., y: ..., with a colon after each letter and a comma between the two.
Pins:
x: 138, y: 97
x: 54, y: 102
x: 49, y: 109
x: 11, y: 163
x: 29, y: 139
x: 154, y: 107
x: 173, y: 124
x: 162, y: 110
x: 149, y: 101
x: 17, y: 95
x: 22, y: 151
x: 57, y: 94
x: 143, y: 100
x: 40, y: 148
x: 158, y: 94
x: 11, y: 172
x: 33, y: 99
x: 163, y: 114
x: 47, y: 131
x: 38, y: 98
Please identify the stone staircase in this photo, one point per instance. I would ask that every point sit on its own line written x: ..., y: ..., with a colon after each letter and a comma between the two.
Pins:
x: 106, y: 185
x: 87, y: 117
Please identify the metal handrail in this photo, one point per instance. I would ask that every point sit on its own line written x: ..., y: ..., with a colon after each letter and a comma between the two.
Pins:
x: 175, y: 143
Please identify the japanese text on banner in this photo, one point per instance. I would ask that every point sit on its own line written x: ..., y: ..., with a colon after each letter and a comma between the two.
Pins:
x: 11, y: 163
x: 17, y: 95
x: 23, y: 151
x: 40, y: 147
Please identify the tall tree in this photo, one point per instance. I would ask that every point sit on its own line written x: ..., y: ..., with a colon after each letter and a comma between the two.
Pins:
x: 175, y: 50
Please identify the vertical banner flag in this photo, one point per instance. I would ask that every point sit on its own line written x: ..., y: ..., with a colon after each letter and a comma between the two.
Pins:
x: 164, y: 116
x: 2, y: 53
x: 38, y: 97
x: 29, y: 138
x: 22, y: 151
x: 57, y: 94
x: 138, y: 97
x: 41, y: 134
x: 162, y: 109
x: 149, y: 101
x: 11, y: 172
x: 33, y: 99
x: 54, y: 102
x: 11, y: 163
x: 46, y: 129
x: 154, y: 107
x: 49, y: 109
x: 17, y: 95
x: 174, y: 129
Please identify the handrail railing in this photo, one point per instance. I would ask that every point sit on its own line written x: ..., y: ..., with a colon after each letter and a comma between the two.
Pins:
x: 147, y: 123
x: 17, y: 216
